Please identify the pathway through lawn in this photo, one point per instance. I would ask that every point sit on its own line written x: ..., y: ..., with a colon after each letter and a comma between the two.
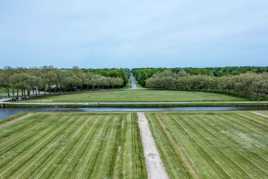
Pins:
x: 155, y: 167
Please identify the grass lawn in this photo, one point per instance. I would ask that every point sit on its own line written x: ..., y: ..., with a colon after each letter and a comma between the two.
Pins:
x: 264, y: 112
x: 212, y: 144
x: 141, y: 95
x: 72, y: 145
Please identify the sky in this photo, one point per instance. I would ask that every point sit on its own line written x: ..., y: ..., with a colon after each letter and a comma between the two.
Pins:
x: 133, y: 33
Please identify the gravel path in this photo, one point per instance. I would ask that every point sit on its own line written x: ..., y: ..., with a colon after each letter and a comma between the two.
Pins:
x: 155, y: 167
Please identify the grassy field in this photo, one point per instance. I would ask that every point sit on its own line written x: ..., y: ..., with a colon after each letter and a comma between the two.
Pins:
x: 137, y: 95
x: 212, y: 144
x: 265, y: 113
x: 72, y: 145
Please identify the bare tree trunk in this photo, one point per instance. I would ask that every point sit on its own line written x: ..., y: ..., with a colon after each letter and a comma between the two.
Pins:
x: 8, y: 94
x: 17, y: 94
x: 13, y: 93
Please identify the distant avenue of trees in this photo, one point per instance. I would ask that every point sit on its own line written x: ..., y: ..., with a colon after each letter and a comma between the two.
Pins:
x: 26, y: 82
x: 250, y: 84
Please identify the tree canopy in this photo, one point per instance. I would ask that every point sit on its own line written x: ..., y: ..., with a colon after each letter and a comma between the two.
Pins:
x: 32, y: 81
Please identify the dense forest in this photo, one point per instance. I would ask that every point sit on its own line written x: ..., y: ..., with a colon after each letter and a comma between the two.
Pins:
x: 142, y: 74
x: 24, y: 82
x: 251, y: 85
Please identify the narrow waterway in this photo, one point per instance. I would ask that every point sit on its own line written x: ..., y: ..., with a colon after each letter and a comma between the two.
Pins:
x: 6, y: 112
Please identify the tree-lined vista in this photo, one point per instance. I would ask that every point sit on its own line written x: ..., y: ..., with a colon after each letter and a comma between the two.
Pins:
x: 246, y: 82
x: 23, y: 82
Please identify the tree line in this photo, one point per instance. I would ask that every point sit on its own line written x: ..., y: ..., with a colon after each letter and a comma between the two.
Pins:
x: 250, y: 85
x: 26, y: 82
x: 142, y: 74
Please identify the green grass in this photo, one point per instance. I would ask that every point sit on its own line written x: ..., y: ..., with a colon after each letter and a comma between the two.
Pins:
x: 72, y: 145
x: 212, y: 144
x: 142, y: 95
x: 265, y: 113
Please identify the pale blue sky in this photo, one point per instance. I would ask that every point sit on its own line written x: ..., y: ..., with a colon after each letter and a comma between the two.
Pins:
x: 133, y: 33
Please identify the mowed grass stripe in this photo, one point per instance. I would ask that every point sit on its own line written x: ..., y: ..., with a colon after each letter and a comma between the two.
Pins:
x: 216, y: 141
x: 14, y: 138
x: 210, y: 156
x: 70, y: 144
x: 48, y: 165
x: 118, y: 161
x: 18, y: 127
x: 24, y: 157
x: 244, y: 135
x: 39, y: 160
x: 200, y: 160
x: 262, y: 119
x: 128, y: 149
x: 254, y: 132
x: 76, y: 166
x: 24, y: 136
x: 218, y: 144
x: 88, y: 162
x: 224, y: 153
x: 70, y: 166
x: 133, y: 150
x: 255, y: 120
x: 107, y: 152
x: 95, y: 153
x: 213, y: 127
x: 137, y: 155
x: 20, y: 148
x: 78, y: 145
x: 170, y: 150
x: 62, y: 172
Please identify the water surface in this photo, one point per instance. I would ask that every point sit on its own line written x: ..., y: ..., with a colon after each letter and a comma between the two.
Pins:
x: 6, y: 112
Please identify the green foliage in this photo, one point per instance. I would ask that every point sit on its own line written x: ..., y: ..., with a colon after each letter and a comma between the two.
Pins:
x: 113, y: 72
x: 48, y: 79
x: 142, y: 74
x: 249, y: 85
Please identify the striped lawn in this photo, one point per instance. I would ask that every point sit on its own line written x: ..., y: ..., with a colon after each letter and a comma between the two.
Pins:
x: 212, y: 144
x: 72, y: 145
x: 264, y: 112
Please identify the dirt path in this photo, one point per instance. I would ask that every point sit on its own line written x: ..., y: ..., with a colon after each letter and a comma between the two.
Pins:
x: 155, y: 167
x: 9, y: 123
